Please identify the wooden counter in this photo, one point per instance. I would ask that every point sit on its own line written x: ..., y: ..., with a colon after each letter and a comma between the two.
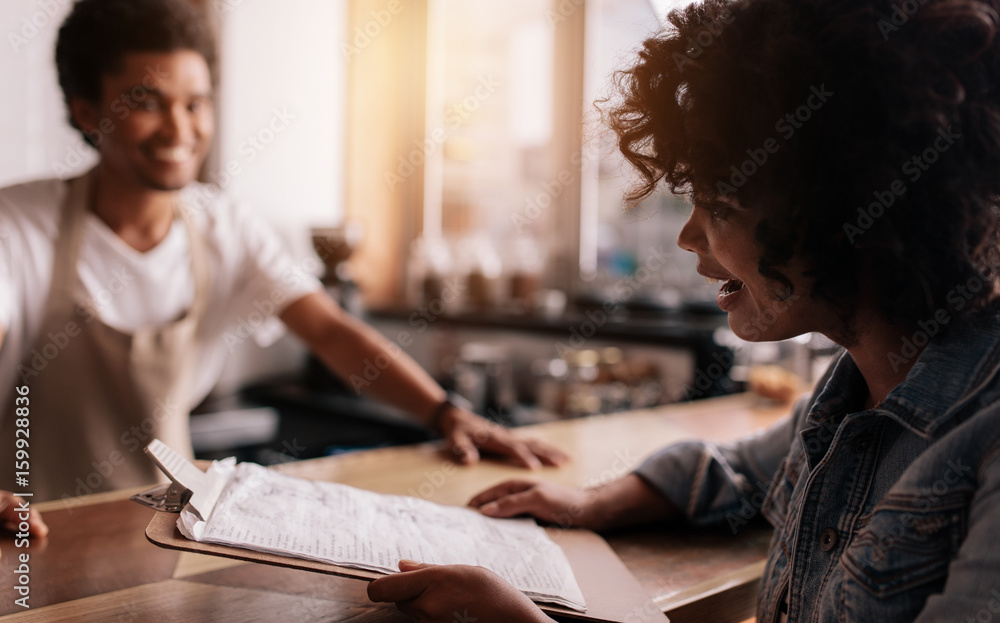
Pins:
x: 96, y: 565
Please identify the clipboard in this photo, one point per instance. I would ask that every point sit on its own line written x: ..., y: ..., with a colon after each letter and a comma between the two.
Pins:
x: 611, y: 591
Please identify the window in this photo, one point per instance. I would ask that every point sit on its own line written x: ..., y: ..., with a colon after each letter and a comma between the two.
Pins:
x: 486, y: 131
x: 621, y: 242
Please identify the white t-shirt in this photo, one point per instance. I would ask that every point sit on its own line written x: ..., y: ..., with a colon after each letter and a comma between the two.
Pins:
x: 252, y: 276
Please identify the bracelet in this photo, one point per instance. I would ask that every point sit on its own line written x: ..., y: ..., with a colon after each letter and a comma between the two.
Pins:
x: 434, y: 423
x: 451, y: 400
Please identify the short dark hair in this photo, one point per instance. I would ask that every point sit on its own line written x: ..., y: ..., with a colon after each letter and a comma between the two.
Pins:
x: 98, y: 34
x: 811, y: 112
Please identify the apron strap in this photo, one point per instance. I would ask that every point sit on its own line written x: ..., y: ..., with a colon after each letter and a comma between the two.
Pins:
x: 62, y: 298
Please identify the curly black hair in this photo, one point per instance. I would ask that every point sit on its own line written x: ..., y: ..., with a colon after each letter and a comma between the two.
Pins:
x: 866, y: 133
x: 98, y: 34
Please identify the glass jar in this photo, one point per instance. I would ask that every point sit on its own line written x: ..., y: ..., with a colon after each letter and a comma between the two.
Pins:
x: 428, y: 273
x: 482, y: 267
x: 523, y: 264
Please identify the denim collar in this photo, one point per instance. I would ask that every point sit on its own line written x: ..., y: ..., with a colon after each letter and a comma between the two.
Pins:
x: 948, y: 375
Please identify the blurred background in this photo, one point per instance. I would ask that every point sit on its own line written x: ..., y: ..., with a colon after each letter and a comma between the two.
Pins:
x: 444, y: 170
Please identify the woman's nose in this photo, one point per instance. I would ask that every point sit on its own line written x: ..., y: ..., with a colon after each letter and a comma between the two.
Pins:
x: 692, y: 236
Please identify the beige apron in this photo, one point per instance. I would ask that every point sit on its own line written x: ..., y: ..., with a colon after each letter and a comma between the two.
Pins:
x: 105, y: 394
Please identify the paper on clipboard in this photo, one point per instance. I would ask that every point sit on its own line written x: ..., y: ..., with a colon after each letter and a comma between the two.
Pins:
x: 252, y: 507
x: 613, y: 594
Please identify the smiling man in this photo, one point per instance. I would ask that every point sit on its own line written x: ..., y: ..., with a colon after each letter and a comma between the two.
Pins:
x: 117, y: 287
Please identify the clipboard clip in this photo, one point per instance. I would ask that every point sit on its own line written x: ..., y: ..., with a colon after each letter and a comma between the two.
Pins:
x: 170, y: 497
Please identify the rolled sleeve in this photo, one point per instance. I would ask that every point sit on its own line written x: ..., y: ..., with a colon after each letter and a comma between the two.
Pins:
x: 710, y: 482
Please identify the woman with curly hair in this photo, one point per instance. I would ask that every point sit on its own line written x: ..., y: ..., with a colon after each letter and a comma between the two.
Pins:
x: 842, y: 157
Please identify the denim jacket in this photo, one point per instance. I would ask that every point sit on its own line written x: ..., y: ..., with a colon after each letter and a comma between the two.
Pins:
x: 887, y: 514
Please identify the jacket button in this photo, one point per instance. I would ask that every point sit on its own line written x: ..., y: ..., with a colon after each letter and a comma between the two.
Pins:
x: 828, y: 539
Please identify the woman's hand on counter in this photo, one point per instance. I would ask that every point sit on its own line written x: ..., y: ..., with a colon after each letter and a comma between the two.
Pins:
x: 467, y: 434
x: 431, y: 593
x: 564, y: 506
x: 12, y: 514
x: 623, y: 502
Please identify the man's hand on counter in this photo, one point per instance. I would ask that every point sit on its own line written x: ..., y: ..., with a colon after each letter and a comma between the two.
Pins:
x: 348, y: 347
x: 467, y: 434
x: 12, y: 514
